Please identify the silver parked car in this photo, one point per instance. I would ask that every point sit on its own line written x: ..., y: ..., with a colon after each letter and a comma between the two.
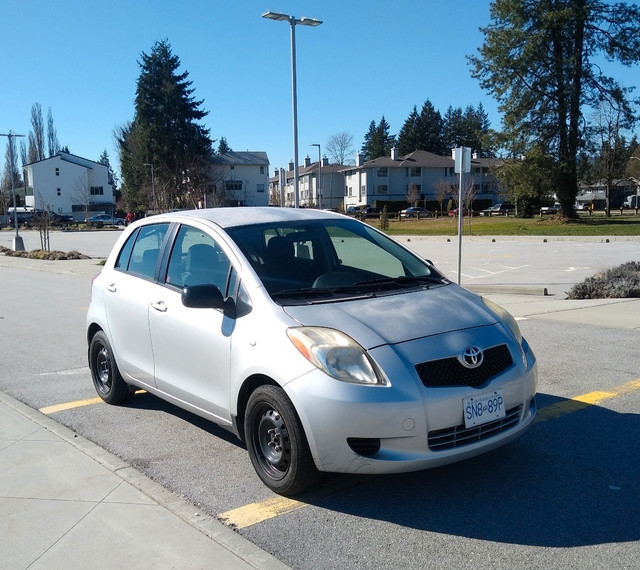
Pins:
x: 321, y: 342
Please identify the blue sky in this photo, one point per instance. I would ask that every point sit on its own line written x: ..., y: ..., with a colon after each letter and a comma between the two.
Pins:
x: 369, y: 58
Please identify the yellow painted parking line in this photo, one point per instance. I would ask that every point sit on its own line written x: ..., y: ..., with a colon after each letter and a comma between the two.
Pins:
x: 69, y: 405
x: 580, y: 402
x: 76, y: 404
x: 258, y: 512
x: 254, y: 513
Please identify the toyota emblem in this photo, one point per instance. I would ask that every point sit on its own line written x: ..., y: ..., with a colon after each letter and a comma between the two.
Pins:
x: 472, y: 357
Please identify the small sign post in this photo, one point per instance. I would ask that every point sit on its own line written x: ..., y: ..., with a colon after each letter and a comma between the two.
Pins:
x: 462, y: 159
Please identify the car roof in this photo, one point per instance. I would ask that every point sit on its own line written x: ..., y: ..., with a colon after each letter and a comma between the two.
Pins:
x: 244, y: 216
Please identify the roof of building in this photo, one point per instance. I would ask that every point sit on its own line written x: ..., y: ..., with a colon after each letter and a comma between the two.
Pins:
x: 420, y: 159
x: 246, y: 158
x: 68, y: 157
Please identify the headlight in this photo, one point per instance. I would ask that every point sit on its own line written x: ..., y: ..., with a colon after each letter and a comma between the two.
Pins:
x: 506, y: 317
x: 337, y: 354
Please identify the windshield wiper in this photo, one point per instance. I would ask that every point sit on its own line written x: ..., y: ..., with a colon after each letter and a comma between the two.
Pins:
x: 399, y: 282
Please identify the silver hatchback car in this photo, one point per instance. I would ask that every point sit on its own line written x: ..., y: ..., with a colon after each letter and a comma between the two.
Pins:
x: 321, y: 342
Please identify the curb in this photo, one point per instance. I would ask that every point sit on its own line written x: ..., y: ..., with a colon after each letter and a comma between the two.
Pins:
x: 507, y: 290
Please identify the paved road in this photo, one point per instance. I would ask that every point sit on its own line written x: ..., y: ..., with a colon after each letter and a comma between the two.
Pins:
x: 565, y: 495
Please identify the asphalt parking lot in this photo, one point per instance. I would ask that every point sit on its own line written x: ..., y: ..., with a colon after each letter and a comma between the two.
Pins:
x: 565, y: 495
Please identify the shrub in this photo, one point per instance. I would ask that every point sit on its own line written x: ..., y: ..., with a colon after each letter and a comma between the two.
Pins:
x: 617, y: 283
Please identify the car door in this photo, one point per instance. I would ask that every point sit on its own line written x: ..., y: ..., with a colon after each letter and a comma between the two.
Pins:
x: 130, y: 288
x: 191, y: 347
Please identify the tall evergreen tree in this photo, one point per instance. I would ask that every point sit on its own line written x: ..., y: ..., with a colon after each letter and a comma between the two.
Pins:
x: 453, y: 128
x: 539, y: 60
x: 166, y: 133
x: 104, y: 159
x: 223, y: 146
x: 430, y: 127
x: 408, y: 137
x: 378, y: 142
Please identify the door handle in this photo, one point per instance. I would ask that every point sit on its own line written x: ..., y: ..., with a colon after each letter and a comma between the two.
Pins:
x: 159, y: 306
x: 112, y: 287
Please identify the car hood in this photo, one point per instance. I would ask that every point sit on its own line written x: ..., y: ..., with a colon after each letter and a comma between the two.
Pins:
x: 401, y: 317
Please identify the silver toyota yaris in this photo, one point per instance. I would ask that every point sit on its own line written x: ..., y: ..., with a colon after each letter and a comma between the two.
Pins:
x: 321, y: 342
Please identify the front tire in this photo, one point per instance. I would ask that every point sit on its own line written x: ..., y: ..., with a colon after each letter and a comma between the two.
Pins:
x: 276, y: 442
x: 107, y: 380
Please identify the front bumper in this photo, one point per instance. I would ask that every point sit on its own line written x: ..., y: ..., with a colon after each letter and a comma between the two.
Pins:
x: 406, y: 426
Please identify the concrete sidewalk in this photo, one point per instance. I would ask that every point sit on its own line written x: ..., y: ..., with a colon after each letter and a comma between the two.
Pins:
x: 67, y: 503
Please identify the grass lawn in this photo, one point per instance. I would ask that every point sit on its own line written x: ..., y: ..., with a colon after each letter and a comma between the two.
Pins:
x: 598, y: 224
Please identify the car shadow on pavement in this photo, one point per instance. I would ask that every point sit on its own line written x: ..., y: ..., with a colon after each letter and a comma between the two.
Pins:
x: 148, y: 402
x: 569, y: 481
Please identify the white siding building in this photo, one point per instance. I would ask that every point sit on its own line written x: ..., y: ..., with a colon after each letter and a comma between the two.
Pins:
x: 69, y: 184
x: 240, y: 179
x: 391, y: 178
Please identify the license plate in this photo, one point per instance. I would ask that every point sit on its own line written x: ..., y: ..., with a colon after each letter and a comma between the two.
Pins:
x: 483, y: 408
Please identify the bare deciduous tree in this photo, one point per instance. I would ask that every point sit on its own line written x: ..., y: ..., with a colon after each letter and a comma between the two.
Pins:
x: 36, y: 136
x: 339, y: 147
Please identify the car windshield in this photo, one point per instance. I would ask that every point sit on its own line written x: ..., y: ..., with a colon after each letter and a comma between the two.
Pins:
x: 324, y: 260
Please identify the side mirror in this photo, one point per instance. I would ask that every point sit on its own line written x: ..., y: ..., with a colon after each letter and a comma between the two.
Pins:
x: 202, y: 297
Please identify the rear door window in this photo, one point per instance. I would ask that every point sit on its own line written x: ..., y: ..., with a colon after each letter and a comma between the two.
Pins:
x: 139, y: 255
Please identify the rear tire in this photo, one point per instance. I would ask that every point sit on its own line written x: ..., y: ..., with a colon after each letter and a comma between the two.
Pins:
x: 276, y: 442
x: 107, y: 380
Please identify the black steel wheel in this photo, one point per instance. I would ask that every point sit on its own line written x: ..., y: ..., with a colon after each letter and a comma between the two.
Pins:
x: 107, y: 380
x: 276, y: 442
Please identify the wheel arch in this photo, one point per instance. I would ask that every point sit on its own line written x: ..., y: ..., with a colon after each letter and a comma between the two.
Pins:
x: 248, y: 387
x: 92, y: 330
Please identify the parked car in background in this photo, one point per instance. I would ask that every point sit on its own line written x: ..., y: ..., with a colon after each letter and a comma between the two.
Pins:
x: 100, y: 220
x: 465, y: 212
x: 503, y: 209
x: 416, y: 212
x: 550, y: 209
x: 370, y: 212
x: 282, y: 325
x: 632, y: 201
x: 54, y: 218
x: 353, y: 210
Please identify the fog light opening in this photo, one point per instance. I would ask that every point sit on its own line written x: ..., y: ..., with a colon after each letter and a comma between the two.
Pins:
x: 366, y: 446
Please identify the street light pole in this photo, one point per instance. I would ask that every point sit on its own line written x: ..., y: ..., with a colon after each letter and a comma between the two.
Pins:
x: 153, y: 188
x: 18, y: 244
x: 294, y: 97
x: 318, y: 185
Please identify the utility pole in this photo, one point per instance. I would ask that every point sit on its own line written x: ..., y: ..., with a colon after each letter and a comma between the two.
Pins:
x: 18, y: 244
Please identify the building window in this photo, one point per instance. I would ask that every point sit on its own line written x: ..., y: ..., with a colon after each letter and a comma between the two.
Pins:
x: 58, y: 192
x: 350, y: 191
x: 382, y: 189
x: 57, y: 172
x: 382, y: 171
x: 262, y: 170
x: 96, y: 191
x: 233, y: 185
x: 416, y: 171
x: 260, y: 188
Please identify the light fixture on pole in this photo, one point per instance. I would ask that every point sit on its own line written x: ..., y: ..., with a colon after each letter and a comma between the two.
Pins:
x: 153, y: 188
x: 319, y: 183
x: 18, y: 244
x: 293, y: 22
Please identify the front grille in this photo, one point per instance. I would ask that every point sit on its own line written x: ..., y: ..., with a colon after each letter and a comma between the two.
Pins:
x: 458, y: 436
x: 450, y: 371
